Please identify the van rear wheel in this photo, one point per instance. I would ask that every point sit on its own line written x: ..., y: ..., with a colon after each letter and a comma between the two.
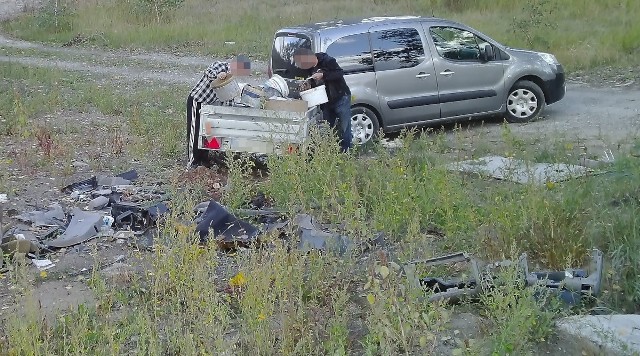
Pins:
x: 525, y: 101
x: 364, y: 125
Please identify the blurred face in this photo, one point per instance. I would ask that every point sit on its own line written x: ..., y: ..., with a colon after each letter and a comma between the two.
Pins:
x: 240, y: 66
x: 305, y: 61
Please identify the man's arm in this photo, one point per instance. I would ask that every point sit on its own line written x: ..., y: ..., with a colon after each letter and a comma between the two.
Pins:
x: 332, y: 70
x: 215, y: 69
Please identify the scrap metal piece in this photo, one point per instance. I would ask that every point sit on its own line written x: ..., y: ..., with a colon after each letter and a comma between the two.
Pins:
x: 573, y: 284
x: 43, y: 265
x: 312, y: 237
x: 81, y: 186
x: 98, y: 203
x: 129, y: 175
x: 107, y: 181
x: 228, y: 230
x: 52, y: 217
x: 452, y: 258
x: 136, y: 216
x: 93, y: 182
x: 83, y: 226
x: 451, y: 290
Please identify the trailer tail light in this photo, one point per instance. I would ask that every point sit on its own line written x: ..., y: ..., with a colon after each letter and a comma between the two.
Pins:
x: 292, y: 149
x: 212, y: 144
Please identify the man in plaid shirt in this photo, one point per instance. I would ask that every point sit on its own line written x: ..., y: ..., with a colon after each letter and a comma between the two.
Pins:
x: 203, y: 93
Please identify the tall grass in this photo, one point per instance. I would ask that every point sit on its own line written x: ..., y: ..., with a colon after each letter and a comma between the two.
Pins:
x: 410, y: 192
x: 277, y: 300
x: 575, y: 30
x: 30, y: 92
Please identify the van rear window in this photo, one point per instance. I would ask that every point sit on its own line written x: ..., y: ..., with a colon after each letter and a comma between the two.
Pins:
x: 282, y: 54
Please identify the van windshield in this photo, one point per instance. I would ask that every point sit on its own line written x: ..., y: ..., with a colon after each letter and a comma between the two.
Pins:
x: 282, y: 54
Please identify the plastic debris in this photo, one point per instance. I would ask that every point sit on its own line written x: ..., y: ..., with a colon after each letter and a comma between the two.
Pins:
x: 83, y: 226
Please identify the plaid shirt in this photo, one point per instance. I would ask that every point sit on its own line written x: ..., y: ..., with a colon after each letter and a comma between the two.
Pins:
x: 203, y: 92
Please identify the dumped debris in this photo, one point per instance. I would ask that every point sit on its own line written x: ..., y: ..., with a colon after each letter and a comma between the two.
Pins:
x: 83, y: 226
x: 42, y: 265
x: 313, y: 237
x: 113, y: 204
x: 570, y: 285
x: 98, y: 203
x: 520, y: 171
x: 94, y: 182
x: 37, y: 218
x: 230, y: 232
x: 138, y: 217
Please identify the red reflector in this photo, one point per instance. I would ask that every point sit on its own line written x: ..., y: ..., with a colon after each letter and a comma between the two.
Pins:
x: 212, y: 144
x: 292, y: 149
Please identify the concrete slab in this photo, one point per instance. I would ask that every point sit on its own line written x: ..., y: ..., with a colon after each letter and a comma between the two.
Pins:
x: 520, y: 171
x: 612, y: 334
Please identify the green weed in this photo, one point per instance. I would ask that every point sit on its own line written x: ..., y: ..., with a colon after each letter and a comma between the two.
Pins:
x: 520, y: 316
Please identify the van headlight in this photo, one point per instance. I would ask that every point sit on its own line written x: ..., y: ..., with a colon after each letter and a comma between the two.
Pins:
x: 549, y: 58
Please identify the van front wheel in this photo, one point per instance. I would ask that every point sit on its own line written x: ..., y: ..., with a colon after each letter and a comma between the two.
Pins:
x: 364, y: 125
x: 525, y: 101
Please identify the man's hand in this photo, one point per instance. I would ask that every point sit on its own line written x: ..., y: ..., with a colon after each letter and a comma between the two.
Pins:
x: 317, y: 76
x: 222, y: 75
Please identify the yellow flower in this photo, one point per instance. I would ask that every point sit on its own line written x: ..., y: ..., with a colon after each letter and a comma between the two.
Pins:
x: 261, y: 316
x: 371, y: 299
x: 238, y: 280
x: 550, y: 185
x: 43, y: 274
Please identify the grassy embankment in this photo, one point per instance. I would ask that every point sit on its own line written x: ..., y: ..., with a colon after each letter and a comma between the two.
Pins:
x: 583, y: 34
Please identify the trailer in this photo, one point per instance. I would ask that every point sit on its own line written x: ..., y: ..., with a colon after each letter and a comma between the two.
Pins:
x: 251, y: 130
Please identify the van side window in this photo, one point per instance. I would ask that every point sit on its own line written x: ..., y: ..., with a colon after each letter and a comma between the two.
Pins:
x: 456, y: 44
x: 352, y: 53
x: 396, y: 48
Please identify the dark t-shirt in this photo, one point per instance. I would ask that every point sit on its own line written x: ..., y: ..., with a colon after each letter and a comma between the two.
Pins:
x: 333, y: 77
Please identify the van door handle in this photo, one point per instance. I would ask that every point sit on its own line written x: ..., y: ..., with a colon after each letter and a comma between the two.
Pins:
x: 447, y: 73
x: 422, y: 75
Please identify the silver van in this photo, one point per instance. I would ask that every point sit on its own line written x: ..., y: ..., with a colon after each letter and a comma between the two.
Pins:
x: 411, y: 71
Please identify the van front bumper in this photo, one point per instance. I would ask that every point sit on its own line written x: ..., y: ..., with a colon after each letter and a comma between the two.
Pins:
x: 555, y: 89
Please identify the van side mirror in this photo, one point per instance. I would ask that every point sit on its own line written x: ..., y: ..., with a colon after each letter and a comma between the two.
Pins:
x: 486, y: 53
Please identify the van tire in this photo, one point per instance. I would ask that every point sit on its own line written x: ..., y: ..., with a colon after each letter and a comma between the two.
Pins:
x: 364, y: 125
x: 524, y: 102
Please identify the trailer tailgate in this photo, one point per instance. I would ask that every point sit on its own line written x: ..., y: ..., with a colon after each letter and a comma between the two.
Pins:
x: 243, y: 129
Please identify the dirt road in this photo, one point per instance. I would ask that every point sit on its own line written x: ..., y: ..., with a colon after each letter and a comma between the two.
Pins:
x: 601, y: 115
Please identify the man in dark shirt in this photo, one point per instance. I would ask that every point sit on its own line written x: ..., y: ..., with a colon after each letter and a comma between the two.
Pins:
x: 324, y: 69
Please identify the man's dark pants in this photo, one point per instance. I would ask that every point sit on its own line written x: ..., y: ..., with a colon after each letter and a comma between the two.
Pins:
x: 340, y: 109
